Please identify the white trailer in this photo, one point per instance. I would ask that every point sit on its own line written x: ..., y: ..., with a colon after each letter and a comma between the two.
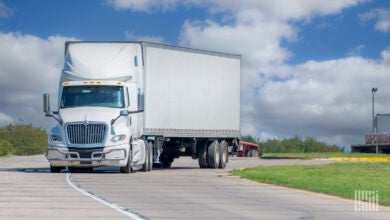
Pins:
x: 135, y: 104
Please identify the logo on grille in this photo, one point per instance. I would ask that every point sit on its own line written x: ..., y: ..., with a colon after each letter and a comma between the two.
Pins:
x: 86, y: 123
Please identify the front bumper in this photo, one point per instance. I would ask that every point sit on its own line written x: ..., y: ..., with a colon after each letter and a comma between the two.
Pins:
x: 116, y: 156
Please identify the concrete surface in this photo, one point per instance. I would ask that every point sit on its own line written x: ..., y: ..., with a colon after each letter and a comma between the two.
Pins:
x: 29, y: 191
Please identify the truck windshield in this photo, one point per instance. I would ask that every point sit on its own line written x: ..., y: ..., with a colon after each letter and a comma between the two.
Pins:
x: 102, y: 96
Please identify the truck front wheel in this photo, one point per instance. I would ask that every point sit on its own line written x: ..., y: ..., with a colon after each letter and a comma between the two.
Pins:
x: 127, y: 168
x: 145, y: 166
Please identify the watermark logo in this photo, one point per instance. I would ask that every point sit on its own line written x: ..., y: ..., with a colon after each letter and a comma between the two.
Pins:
x: 366, y: 200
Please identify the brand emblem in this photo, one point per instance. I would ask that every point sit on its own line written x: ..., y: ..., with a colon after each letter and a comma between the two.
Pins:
x: 86, y: 123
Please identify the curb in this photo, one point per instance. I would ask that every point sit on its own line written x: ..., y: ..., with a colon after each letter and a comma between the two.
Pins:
x: 361, y: 159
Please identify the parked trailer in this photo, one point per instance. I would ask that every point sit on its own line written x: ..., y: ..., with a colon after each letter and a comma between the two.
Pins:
x: 379, y: 140
x: 373, y: 142
x: 135, y: 104
x: 248, y: 149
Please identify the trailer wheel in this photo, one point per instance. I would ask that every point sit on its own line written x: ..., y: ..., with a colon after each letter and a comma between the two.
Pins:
x: 202, y: 155
x: 56, y: 169
x: 223, y: 148
x: 150, y: 149
x: 213, y: 153
x: 252, y: 153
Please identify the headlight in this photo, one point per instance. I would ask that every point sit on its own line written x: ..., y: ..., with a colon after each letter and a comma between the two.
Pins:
x: 118, y: 138
x: 54, y: 138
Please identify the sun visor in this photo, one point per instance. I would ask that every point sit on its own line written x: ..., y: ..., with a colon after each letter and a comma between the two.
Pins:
x: 103, y: 61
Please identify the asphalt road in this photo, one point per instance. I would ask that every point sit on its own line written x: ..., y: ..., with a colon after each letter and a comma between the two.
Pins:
x: 29, y: 191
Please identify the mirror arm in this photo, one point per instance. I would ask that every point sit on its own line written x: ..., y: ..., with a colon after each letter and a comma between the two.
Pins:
x: 129, y: 112
x: 50, y: 114
x: 114, y: 120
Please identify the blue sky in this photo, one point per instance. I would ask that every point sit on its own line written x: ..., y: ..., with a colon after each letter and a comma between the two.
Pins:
x: 334, y: 36
x: 307, y: 68
x: 321, y: 38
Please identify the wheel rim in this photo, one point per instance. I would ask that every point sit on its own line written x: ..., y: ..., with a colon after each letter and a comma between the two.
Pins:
x: 224, y: 154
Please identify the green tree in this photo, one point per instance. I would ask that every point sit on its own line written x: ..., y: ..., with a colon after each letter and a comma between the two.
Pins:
x: 248, y: 138
x: 6, y: 148
x: 297, y: 145
x: 25, y: 139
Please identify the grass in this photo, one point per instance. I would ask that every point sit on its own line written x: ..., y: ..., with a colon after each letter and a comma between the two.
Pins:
x: 340, y: 179
x: 321, y: 155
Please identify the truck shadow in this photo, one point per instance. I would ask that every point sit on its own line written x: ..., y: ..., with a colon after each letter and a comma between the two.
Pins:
x: 100, y: 170
x: 27, y: 170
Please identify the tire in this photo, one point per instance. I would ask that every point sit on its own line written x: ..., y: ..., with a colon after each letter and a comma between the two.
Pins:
x: 127, y: 168
x: 145, y: 166
x: 224, y: 154
x: 55, y: 169
x: 202, y: 155
x: 150, y: 148
x: 213, y: 153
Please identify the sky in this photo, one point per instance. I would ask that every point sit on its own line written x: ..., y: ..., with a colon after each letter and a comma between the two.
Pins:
x: 307, y: 66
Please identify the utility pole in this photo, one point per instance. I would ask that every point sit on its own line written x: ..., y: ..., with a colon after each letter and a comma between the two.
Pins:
x: 374, y: 90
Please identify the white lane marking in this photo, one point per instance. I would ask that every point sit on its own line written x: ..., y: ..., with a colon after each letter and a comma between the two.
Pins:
x: 118, y: 208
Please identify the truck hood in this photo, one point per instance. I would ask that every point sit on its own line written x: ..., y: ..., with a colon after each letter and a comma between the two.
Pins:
x: 88, y: 114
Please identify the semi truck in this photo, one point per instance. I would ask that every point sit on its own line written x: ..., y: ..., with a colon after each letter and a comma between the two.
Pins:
x: 136, y: 105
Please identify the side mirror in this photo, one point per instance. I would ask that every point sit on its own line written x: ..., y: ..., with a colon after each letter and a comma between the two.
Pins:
x: 124, y: 113
x: 46, y: 103
x: 46, y: 108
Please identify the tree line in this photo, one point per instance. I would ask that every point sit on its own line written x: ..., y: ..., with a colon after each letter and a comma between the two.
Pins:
x: 294, y: 145
x: 22, y: 139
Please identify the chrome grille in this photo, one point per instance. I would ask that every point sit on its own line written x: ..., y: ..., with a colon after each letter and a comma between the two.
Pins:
x: 80, y: 133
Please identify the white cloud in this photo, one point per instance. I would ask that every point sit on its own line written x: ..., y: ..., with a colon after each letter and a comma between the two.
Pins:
x: 382, y: 17
x: 5, y: 11
x: 356, y: 51
x: 5, y: 119
x: 29, y: 67
x: 386, y: 57
x: 286, y: 9
x: 143, y: 5
x: 152, y: 39
x: 323, y: 99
